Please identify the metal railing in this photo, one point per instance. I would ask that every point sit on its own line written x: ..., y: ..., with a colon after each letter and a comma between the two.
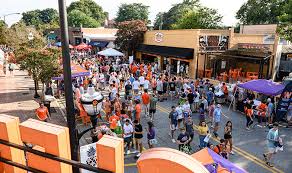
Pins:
x: 73, y: 163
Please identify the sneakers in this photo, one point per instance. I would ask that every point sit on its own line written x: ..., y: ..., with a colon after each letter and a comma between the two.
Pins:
x: 128, y: 152
x: 231, y: 152
x: 138, y: 155
x: 173, y: 140
x: 135, y: 151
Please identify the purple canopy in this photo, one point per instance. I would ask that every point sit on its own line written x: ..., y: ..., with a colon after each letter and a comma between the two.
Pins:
x: 263, y: 86
x: 231, y: 167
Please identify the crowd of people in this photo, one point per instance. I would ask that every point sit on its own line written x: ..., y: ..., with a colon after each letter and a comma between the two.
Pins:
x: 143, y: 85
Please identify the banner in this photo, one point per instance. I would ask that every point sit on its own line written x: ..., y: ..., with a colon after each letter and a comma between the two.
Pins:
x: 88, y: 156
x: 284, y: 102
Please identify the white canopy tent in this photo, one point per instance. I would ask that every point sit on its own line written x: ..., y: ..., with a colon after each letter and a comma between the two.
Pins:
x: 110, y: 52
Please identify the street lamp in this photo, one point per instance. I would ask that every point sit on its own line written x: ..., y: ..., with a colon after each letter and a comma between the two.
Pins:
x: 30, y: 38
x: 5, y: 15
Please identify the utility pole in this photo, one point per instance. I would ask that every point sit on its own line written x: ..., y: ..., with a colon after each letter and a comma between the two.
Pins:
x: 74, y: 143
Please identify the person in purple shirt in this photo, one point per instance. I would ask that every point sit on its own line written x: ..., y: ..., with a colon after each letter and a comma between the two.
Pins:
x: 151, y: 134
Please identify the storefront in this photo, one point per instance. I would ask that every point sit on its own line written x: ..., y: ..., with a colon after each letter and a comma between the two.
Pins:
x: 209, y: 52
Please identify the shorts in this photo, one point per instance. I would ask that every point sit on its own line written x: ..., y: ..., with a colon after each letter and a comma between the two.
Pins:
x: 173, y: 126
x: 271, y: 149
x: 172, y: 92
x: 128, y: 139
x: 136, y: 91
x: 154, y: 88
x: 180, y: 120
x: 164, y: 91
x: 141, y: 85
x: 216, y: 124
x: 152, y: 111
x: 226, y: 136
x: 138, y: 140
x: 160, y: 92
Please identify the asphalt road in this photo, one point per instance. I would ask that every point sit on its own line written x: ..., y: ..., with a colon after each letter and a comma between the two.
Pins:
x: 248, y: 145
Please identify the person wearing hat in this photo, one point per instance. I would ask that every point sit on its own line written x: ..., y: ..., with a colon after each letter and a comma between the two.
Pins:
x: 217, y: 119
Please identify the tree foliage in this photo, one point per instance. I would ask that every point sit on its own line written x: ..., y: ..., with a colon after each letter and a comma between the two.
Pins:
x: 188, y: 14
x: 89, y: 10
x: 134, y: 11
x: 77, y: 18
x: 203, y: 17
x: 285, y: 26
x: 260, y: 11
x: 130, y: 34
x: 41, y: 64
x: 41, y: 19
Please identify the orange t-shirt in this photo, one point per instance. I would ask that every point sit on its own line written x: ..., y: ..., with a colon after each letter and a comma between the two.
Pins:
x: 134, y: 69
x: 42, y: 113
x: 138, y: 111
x: 113, y: 120
x: 145, y: 98
x: 218, y: 148
x: 262, y: 107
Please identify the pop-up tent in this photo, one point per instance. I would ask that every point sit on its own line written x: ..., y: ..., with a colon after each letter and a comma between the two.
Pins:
x: 215, y: 163
x: 76, y: 71
x: 263, y: 86
x: 110, y: 52
x: 59, y: 44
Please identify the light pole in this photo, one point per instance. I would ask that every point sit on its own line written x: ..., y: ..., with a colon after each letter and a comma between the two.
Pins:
x: 30, y: 38
x: 5, y: 15
x: 74, y: 143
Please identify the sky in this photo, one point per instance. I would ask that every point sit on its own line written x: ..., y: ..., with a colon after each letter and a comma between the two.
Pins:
x: 227, y: 8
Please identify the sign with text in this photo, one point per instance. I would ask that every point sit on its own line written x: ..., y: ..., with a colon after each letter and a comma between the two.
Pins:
x: 253, y: 46
x: 158, y: 37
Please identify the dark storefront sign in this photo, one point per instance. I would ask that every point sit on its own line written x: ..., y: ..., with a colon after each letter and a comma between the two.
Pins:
x: 184, y: 53
x: 213, y: 43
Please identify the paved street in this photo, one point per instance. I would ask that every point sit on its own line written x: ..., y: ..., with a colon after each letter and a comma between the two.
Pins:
x: 17, y: 99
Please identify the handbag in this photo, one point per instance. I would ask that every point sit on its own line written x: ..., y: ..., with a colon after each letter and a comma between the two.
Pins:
x: 207, y: 138
x: 153, y: 141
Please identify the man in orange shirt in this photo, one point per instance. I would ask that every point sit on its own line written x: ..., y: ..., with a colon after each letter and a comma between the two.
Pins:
x: 113, y: 121
x: 262, y: 108
x: 107, y: 108
x: 146, y: 101
x: 42, y: 112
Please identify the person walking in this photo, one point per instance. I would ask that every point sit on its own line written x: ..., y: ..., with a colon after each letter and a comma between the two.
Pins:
x: 272, y: 143
x: 270, y: 111
x: 211, y: 112
x: 189, y: 125
x: 248, y: 114
x: 183, y: 141
x: 138, y: 135
x: 203, y: 131
x: 217, y: 119
x: 151, y: 135
x: 42, y: 113
x: 138, y: 110
x: 228, y: 135
x: 152, y: 106
x: 128, y: 131
x: 146, y: 100
x: 173, y: 122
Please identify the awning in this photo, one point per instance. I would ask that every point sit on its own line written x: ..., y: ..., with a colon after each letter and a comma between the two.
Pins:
x: 263, y: 86
x: 184, y: 53
x: 76, y: 71
x: 110, y: 52
x: 101, y: 44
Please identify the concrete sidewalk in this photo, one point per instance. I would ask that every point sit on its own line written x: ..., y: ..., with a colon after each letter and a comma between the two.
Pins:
x: 16, y: 98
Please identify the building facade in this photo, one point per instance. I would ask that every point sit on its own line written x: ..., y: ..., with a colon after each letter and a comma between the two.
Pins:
x: 209, y: 52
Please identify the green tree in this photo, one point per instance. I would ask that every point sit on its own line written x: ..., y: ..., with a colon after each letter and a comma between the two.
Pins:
x: 285, y: 26
x: 89, y: 8
x: 130, y: 34
x: 77, y: 18
x: 41, y: 19
x: 134, y: 11
x: 175, y: 13
x: 204, y: 18
x: 260, y: 11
